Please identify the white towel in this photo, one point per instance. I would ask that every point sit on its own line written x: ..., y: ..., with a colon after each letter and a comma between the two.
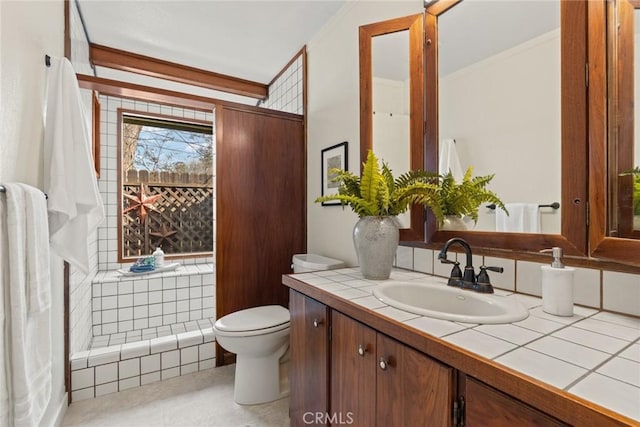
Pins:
x: 523, y: 218
x: 448, y: 160
x: 27, y: 329
x: 75, y: 205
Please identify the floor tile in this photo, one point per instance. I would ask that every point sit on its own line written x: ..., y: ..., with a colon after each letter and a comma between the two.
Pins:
x: 200, y: 399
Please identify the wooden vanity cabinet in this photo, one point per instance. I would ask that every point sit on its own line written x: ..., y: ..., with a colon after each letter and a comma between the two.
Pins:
x: 309, y: 360
x: 486, y: 406
x: 376, y: 380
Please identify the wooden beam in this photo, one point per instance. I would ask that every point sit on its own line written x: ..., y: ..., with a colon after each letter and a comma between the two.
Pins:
x: 104, y: 56
x: 135, y: 91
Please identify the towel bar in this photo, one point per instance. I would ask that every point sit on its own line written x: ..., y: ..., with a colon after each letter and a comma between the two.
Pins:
x: 554, y: 205
x: 3, y: 189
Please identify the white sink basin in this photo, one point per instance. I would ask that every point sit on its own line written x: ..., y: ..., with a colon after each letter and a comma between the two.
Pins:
x: 436, y: 299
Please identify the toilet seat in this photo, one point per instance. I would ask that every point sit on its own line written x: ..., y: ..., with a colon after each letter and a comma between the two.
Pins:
x: 254, y: 321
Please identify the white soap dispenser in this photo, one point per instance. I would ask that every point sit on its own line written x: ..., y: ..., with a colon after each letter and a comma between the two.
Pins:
x: 158, y: 254
x: 557, y: 285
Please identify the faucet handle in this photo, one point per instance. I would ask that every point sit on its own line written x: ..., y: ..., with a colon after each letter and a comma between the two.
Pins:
x: 455, y: 278
x: 483, y: 283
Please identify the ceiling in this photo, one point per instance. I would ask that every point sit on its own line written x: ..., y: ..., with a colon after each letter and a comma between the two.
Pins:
x: 255, y: 39
x: 251, y: 39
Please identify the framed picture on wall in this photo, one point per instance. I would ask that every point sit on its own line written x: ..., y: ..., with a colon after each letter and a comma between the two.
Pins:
x: 332, y: 157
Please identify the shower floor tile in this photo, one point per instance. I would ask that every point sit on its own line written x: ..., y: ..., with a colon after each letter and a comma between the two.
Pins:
x: 150, y: 333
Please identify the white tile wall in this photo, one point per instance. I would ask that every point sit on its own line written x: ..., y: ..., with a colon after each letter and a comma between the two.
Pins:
x: 107, y: 233
x: 79, y: 43
x: 128, y: 307
x: 621, y: 292
x: 120, y: 367
x: 286, y: 93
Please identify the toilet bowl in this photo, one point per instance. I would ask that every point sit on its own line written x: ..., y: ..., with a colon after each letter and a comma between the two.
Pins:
x: 259, y: 337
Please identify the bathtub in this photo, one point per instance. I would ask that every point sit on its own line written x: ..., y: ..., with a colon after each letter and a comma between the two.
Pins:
x: 145, y: 329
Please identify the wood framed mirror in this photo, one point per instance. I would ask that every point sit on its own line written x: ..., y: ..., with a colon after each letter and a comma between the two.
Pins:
x: 614, y: 232
x: 571, y: 138
x: 392, y: 102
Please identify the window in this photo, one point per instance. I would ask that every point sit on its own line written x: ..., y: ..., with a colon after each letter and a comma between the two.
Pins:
x: 167, y: 187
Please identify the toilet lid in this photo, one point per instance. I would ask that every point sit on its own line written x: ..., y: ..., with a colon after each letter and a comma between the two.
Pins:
x: 252, y: 319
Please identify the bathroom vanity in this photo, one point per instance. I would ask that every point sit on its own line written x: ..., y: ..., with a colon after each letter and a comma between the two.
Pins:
x: 356, y: 361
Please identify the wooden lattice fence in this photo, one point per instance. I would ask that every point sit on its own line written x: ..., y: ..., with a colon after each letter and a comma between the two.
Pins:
x: 182, y: 221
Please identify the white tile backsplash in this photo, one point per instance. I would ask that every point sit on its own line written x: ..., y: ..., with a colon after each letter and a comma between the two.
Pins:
x: 621, y: 292
x: 506, y: 279
x: 529, y: 277
x: 423, y: 260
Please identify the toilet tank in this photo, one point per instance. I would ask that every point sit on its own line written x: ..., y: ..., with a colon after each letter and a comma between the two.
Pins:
x: 311, y: 262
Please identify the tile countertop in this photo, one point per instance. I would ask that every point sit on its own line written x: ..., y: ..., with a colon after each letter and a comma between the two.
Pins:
x: 594, y: 355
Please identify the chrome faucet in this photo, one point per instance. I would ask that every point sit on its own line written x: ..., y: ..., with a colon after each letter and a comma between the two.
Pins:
x: 468, y: 279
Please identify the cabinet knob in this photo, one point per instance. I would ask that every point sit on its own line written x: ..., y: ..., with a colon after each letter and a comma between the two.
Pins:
x: 362, y: 350
x: 383, y: 363
x: 317, y: 323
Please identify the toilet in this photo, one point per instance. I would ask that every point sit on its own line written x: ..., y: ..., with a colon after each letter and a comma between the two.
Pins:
x: 303, y: 263
x: 259, y: 337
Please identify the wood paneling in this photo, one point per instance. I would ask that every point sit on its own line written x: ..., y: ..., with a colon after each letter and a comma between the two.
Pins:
x: 104, y: 56
x: 353, y: 376
x: 260, y: 205
x: 414, y: 389
x: 309, y: 363
x: 486, y: 406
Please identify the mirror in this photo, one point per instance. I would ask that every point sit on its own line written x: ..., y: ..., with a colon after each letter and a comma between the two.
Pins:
x: 625, y: 140
x: 392, y: 102
x: 613, y: 235
x: 499, y: 100
x: 506, y: 82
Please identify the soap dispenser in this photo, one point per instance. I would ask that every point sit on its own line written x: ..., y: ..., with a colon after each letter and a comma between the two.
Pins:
x: 557, y: 285
x: 158, y: 254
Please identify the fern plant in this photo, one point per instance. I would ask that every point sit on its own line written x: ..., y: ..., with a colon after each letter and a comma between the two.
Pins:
x: 464, y: 198
x: 377, y: 193
x: 636, y: 187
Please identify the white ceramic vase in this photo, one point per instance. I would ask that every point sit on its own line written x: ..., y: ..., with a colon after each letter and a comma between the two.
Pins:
x: 453, y: 222
x: 376, y: 241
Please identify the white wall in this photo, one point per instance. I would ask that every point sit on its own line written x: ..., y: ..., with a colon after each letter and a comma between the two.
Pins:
x: 334, y: 114
x: 520, y: 139
x: 28, y: 31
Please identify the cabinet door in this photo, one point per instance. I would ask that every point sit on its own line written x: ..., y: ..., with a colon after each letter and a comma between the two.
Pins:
x: 353, y: 369
x: 412, y: 388
x: 486, y: 406
x: 309, y: 363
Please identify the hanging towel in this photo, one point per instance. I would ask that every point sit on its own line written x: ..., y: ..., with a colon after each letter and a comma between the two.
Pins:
x: 75, y: 206
x: 449, y: 161
x: 27, y: 303
x: 522, y: 218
